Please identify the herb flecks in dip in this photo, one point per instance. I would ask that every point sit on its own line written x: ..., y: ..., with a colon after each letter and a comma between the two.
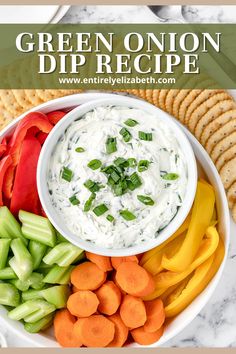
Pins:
x: 117, y: 177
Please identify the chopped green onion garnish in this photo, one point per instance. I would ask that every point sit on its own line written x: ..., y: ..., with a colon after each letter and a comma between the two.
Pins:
x: 121, y: 162
x: 110, y: 218
x: 130, y: 185
x: 79, y: 149
x: 135, y: 179
x: 74, y: 200
x: 145, y: 199
x: 115, y: 176
x: 143, y: 165
x: 145, y: 136
x: 131, y: 122
x: 100, y: 209
x: 170, y: 176
x: 92, y: 186
x: 132, y: 162
x: 67, y: 174
x: 126, y: 134
x: 94, y: 164
x: 111, y: 145
x: 127, y: 215
x: 88, y: 203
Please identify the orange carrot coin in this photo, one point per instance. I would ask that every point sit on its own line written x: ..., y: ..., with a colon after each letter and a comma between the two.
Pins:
x: 133, y: 312
x: 83, y: 303
x: 87, y: 276
x: 63, y: 329
x: 109, y: 297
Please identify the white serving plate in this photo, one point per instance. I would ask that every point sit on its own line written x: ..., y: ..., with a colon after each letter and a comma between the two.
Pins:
x: 205, y: 163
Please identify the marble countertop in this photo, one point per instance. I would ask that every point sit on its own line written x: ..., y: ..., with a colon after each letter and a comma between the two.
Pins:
x: 215, y: 325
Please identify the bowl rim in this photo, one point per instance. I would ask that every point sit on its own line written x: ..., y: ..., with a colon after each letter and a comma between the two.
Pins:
x: 45, y: 340
x: 50, y: 144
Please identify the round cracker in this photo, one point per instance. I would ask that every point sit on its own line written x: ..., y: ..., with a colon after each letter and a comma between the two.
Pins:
x: 142, y: 94
x: 186, y: 102
x: 231, y: 195
x: 178, y: 100
x: 162, y: 99
x: 171, y: 95
x: 202, y: 97
x: 10, y: 103
x: 216, y: 124
x: 223, y: 145
x: 234, y: 212
x: 33, y: 97
x: 220, y: 134
x: 213, y: 113
x: 226, y: 156
x: 228, y: 173
x: 149, y: 94
x: 155, y: 97
x: 22, y: 99
x: 6, y: 116
x: 201, y: 110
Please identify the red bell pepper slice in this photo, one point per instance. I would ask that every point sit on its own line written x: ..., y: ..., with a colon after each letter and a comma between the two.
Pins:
x: 3, y: 147
x: 4, y: 165
x: 32, y: 120
x: 41, y: 137
x: 55, y: 116
x: 25, y: 194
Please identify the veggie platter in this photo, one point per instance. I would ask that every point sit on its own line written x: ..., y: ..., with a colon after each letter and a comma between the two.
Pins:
x: 75, y: 298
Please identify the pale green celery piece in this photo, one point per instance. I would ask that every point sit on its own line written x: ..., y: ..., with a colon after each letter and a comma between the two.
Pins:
x: 57, y: 295
x: 40, y: 325
x: 31, y: 294
x: 22, y: 262
x: 79, y: 258
x: 9, y: 295
x: 7, y: 274
x: 19, y: 284
x: 34, y: 281
x: 44, y: 268
x: 31, y: 311
x: 37, y: 228
x: 60, y: 238
x: 62, y: 254
x: 4, y: 251
x: 9, y: 226
x: 58, y: 275
x: 37, y: 251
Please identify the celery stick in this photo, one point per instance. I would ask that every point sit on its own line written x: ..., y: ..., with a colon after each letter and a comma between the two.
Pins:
x: 19, y: 284
x: 79, y: 258
x: 9, y: 295
x: 7, y: 274
x: 9, y: 226
x: 58, y: 275
x: 57, y: 295
x: 60, y: 238
x: 40, y: 325
x: 31, y: 294
x: 37, y: 251
x: 31, y: 311
x: 44, y: 268
x: 63, y: 254
x: 22, y: 262
x: 37, y: 228
x: 36, y: 281
x: 4, y: 250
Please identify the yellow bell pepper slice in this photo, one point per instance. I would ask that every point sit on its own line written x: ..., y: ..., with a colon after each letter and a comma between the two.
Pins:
x: 173, y: 295
x: 202, y: 276
x: 207, y: 248
x: 200, y: 219
x: 153, y: 264
x: 193, y: 288
x: 147, y: 255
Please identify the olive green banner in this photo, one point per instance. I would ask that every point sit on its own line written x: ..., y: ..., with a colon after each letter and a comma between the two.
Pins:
x: 118, y: 56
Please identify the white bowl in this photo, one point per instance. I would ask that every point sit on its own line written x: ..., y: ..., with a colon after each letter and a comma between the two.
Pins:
x: 49, y: 146
x: 187, y: 316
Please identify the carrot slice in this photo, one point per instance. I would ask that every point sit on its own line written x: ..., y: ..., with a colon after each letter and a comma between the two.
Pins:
x: 144, y: 338
x: 116, y: 261
x: 121, y: 331
x: 109, y: 297
x: 155, y: 315
x: 95, y: 331
x: 63, y: 329
x: 87, y: 276
x: 133, y: 312
x: 74, y: 289
x: 83, y: 303
x: 134, y: 279
x: 103, y: 262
